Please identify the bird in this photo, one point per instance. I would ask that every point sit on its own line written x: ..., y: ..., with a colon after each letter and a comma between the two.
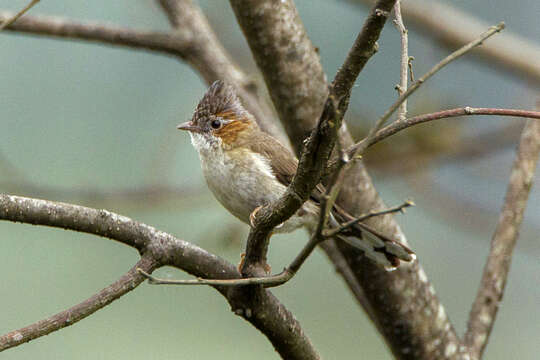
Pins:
x: 246, y: 169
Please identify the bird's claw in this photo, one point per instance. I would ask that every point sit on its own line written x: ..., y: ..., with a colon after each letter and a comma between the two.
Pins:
x: 241, y: 263
x: 252, y: 216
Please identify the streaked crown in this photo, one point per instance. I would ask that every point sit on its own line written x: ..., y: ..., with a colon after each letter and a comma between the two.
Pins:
x: 220, y: 100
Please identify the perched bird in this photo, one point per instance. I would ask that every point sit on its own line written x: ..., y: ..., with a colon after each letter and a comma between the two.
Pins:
x: 246, y: 168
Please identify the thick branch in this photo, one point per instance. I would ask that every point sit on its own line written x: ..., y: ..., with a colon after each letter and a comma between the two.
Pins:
x: 296, y: 80
x: 489, y: 297
x: 320, y: 144
x: 68, y: 317
x: 176, y: 44
x: 260, y: 308
x: 288, y: 61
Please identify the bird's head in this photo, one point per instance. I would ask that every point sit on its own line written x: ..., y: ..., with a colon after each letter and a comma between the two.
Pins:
x: 219, y: 120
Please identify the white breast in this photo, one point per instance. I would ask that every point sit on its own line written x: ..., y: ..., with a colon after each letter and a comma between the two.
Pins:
x: 240, y: 179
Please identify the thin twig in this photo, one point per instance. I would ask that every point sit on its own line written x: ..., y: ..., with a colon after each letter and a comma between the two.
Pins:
x: 404, y: 61
x: 490, y: 293
x: 400, y: 208
x: 176, y: 43
x: 409, y: 63
x: 18, y: 15
x: 359, y: 148
x: 70, y: 316
x: 454, y: 56
x: 450, y: 27
x: 269, y: 281
x: 288, y: 273
x: 396, y: 127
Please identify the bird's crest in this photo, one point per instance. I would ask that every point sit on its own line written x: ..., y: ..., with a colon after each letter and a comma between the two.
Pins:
x: 220, y: 100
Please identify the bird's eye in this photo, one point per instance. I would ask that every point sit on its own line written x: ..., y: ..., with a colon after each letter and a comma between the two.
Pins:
x: 215, y: 124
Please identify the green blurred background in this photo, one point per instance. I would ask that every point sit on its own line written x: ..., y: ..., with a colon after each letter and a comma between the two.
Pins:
x: 95, y: 125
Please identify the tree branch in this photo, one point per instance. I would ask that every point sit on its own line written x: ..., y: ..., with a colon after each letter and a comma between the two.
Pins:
x: 447, y: 60
x: 193, y: 42
x: 260, y: 308
x: 490, y: 293
x: 177, y: 44
x: 68, y: 317
x: 451, y: 27
x: 288, y: 61
x: 297, y: 84
x: 404, y: 60
x: 319, y: 145
x: 396, y: 127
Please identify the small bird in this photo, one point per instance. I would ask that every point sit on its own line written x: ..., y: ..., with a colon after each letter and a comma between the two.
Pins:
x: 246, y: 169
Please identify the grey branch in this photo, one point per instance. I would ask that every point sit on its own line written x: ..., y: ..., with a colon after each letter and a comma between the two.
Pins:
x: 263, y: 311
x: 451, y: 27
x: 318, y: 147
x: 288, y: 61
x: 490, y: 293
x: 176, y: 44
x: 404, y: 59
x: 396, y: 127
x: 274, y: 32
x: 68, y: 317
x: 194, y: 42
x: 447, y: 60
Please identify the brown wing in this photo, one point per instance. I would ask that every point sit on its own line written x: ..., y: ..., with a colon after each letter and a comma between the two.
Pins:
x: 282, y: 161
x: 375, y: 244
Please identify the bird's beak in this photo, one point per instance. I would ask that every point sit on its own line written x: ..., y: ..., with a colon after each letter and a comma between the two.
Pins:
x: 189, y: 126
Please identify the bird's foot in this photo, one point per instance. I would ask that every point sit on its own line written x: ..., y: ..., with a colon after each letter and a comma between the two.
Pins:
x: 241, y: 263
x: 252, y: 216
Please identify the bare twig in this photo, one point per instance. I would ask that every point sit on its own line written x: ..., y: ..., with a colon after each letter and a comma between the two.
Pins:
x: 288, y: 273
x: 445, y: 114
x: 360, y: 147
x: 453, y: 56
x: 400, y: 208
x: 451, y: 27
x: 267, y: 281
x: 68, y: 317
x: 490, y: 293
x: 404, y: 61
x: 8, y: 22
x: 420, y: 155
x: 176, y: 44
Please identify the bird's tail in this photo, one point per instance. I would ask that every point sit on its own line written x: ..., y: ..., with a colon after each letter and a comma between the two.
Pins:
x: 384, y: 251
